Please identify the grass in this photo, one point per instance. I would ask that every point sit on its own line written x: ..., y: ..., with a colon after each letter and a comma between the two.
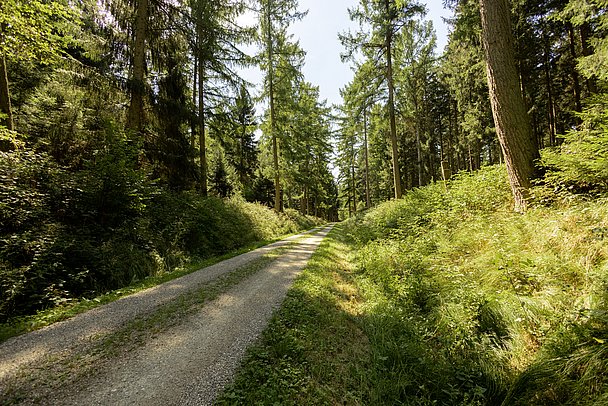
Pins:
x: 445, y: 297
x: 313, y: 352
x: 33, y: 386
x: 25, y: 324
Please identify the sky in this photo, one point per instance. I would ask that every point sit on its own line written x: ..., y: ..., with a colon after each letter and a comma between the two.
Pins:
x: 318, y: 35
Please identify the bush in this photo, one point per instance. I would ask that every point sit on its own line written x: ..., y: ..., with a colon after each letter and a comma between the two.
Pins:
x: 580, y: 164
x: 70, y: 234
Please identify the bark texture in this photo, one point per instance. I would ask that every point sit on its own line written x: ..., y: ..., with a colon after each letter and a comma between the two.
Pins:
x: 508, y: 107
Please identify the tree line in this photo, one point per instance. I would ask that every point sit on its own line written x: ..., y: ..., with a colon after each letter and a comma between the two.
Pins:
x: 130, y: 145
x: 412, y: 116
x: 165, y: 75
x: 124, y: 123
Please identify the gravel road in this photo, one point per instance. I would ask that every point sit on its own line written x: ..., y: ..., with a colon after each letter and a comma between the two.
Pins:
x: 187, y: 364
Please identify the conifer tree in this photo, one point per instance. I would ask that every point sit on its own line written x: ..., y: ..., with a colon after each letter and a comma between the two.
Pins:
x: 274, y: 18
x: 215, y: 47
x: 384, y: 19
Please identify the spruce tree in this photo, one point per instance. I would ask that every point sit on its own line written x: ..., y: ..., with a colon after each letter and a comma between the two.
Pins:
x: 510, y: 115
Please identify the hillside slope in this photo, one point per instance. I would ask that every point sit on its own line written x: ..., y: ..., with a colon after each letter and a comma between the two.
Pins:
x: 448, y: 297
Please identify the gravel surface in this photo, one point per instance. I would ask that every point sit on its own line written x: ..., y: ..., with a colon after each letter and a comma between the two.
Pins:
x: 187, y: 364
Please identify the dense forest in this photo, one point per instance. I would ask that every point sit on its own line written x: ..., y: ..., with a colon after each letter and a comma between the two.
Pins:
x: 130, y: 144
x: 432, y: 116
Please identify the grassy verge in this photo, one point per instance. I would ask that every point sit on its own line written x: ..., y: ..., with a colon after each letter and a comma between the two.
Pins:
x: 445, y: 297
x: 52, y: 315
x: 313, y: 351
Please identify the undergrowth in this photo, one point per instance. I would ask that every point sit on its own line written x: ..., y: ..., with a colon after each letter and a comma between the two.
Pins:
x: 65, y: 237
x: 445, y: 297
x: 476, y: 304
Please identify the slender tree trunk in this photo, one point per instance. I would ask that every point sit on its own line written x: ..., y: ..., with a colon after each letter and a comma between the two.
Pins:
x: 5, y: 97
x: 242, y: 155
x: 440, y: 129
x: 391, y: 105
x: 352, y: 171
x: 350, y: 205
x: 194, y: 122
x: 550, y: 109
x: 575, y: 78
x: 275, y: 148
x: 202, y: 147
x: 138, y: 86
x: 393, y: 126
x: 306, y: 200
x: 368, y: 203
x: 510, y: 115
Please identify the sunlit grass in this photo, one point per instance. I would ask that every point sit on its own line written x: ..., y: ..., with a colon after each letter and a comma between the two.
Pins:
x: 447, y: 297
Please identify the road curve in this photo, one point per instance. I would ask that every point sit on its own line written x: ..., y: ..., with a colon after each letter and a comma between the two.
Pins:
x: 190, y: 362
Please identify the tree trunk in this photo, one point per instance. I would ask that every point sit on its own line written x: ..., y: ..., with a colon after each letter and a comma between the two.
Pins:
x: 508, y: 108
x: 275, y: 147
x: 368, y: 203
x: 5, y: 98
x: 202, y: 147
x: 352, y: 171
x: 575, y: 78
x: 550, y: 109
x: 393, y: 127
x: 391, y: 106
x: 137, y: 84
x: 193, y: 122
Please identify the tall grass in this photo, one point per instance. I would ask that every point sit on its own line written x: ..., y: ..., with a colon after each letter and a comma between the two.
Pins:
x: 445, y: 297
x: 473, y: 304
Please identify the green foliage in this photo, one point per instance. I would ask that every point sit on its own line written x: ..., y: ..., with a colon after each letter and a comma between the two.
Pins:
x: 580, y: 13
x: 472, y: 304
x: 38, y: 29
x: 580, y: 164
x: 456, y: 301
x: 67, y: 235
x: 438, y: 206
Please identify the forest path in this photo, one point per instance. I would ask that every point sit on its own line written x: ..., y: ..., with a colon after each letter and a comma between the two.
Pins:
x: 166, y: 345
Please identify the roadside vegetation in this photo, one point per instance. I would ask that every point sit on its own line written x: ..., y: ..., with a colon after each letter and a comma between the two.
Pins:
x: 447, y: 297
x: 67, y: 240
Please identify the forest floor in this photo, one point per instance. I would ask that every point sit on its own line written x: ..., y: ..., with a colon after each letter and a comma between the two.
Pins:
x: 177, y: 343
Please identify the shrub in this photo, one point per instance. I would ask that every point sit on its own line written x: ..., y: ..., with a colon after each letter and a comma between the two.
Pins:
x: 580, y: 164
x: 72, y: 234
